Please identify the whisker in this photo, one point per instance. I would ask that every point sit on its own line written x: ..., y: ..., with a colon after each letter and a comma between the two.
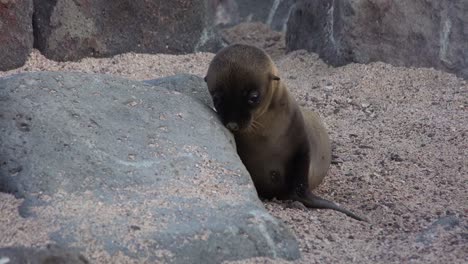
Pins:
x: 253, y: 130
x: 258, y: 124
x: 262, y: 113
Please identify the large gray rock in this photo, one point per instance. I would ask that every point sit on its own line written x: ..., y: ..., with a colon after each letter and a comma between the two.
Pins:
x: 134, y: 171
x: 70, y: 30
x: 421, y: 33
x: 16, y: 33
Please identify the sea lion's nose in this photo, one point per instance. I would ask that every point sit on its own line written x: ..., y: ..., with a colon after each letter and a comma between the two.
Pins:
x: 233, y: 126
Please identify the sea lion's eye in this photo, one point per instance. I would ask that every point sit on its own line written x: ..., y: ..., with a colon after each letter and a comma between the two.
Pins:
x: 253, y: 98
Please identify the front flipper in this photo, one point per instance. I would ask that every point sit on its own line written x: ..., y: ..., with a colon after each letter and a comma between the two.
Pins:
x: 313, y: 201
x: 299, y: 182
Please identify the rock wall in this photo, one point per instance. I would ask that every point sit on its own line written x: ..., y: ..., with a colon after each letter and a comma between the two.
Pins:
x: 421, y: 33
x: 16, y: 34
x: 73, y: 29
x: 70, y: 30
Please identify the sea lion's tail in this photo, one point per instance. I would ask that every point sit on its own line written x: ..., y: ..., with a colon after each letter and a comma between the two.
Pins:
x: 314, y: 201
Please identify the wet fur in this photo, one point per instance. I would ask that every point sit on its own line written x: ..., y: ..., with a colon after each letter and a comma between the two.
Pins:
x: 285, y: 149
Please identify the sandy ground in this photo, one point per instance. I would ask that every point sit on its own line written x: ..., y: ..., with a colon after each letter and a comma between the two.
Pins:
x: 400, y: 139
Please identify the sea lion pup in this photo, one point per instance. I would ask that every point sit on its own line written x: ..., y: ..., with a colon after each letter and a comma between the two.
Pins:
x: 286, y: 152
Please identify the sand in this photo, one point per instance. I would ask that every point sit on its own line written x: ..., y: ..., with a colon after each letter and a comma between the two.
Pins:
x: 400, y: 145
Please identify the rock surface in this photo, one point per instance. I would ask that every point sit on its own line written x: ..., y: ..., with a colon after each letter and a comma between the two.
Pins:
x: 71, y: 30
x: 421, y: 33
x: 67, y: 30
x: 188, y: 84
x: 274, y: 13
x: 127, y: 171
x: 49, y: 255
x: 16, y: 33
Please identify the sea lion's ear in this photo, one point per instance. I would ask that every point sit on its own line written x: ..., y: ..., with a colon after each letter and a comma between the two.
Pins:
x: 205, y: 78
x: 274, y: 77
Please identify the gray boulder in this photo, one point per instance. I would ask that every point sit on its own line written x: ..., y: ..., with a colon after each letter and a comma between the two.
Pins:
x: 70, y: 30
x: 132, y: 171
x: 16, y: 33
x: 421, y: 33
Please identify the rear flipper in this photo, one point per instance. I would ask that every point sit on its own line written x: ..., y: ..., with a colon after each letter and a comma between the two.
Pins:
x: 312, y: 201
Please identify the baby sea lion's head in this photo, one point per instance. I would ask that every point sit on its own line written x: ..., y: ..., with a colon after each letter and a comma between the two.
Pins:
x: 240, y: 80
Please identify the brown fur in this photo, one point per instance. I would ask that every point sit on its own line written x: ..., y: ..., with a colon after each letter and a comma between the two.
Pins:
x: 286, y: 151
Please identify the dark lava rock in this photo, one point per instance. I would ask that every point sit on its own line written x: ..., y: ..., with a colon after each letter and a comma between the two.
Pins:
x: 421, y: 33
x: 130, y: 170
x: 70, y: 30
x: 16, y: 33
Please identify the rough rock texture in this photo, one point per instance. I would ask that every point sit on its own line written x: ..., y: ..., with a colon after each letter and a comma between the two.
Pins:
x: 188, y: 84
x: 274, y: 13
x: 126, y: 171
x: 16, y: 34
x: 70, y: 30
x: 67, y: 30
x: 49, y: 255
x: 421, y: 33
